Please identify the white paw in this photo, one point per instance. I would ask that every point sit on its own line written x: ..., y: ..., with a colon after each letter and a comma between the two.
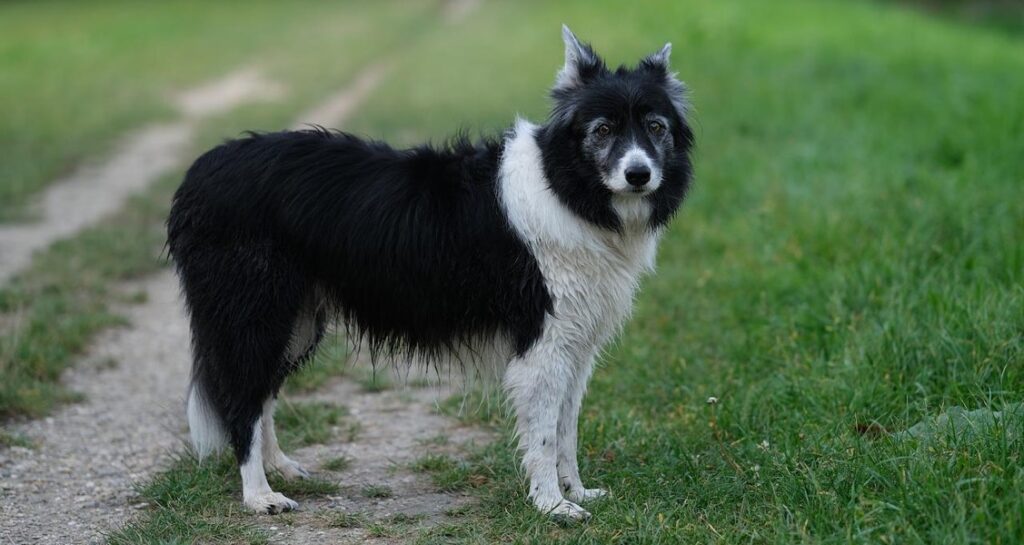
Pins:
x: 568, y: 510
x: 584, y: 495
x: 270, y: 503
x: 289, y: 469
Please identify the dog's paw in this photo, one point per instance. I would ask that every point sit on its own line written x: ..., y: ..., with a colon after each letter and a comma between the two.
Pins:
x: 270, y: 503
x: 569, y: 511
x: 289, y: 469
x: 584, y: 495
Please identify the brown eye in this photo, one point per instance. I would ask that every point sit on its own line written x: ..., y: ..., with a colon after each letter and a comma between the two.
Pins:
x: 603, y: 129
x: 656, y: 127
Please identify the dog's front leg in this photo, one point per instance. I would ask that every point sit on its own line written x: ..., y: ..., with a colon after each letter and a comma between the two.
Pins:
x: 537, y: 383
x: 568, y: 421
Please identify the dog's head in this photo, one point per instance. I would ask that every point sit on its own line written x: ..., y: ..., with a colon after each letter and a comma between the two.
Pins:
x: 617, y: 141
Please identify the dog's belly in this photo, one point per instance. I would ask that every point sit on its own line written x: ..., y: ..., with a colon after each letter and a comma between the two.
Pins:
x: 480, y: 358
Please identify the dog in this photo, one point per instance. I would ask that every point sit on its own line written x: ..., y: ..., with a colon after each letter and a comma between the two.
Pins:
x: 522, y: 252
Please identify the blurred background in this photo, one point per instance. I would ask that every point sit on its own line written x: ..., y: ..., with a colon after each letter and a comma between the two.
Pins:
x: 849, y: 263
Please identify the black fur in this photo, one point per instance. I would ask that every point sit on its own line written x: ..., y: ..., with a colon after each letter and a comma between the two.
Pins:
x: 410, y: 245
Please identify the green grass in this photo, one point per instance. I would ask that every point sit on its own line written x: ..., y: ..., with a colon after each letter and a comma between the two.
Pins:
x: 339, y: 464
x: 195, y: 502
x: 476, y: 407
x: 447, y: 473
x: 851, y: 256
x: 375, y: 380
x: 378, y: 491
x: 14, y: 440
x: 346, y: 520
x: 1003, y: 15
x: 306, y: 423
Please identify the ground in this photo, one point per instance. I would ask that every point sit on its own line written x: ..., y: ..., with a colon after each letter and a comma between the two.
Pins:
x: 848, y: 264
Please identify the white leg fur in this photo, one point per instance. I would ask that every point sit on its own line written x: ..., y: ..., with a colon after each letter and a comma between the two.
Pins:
x: 536, y: 383
x: 256, y: 492
x: 568, y: 421
x: 273, y: 458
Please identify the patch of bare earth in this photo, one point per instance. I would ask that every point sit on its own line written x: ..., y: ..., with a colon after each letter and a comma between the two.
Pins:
x: 392, y: 430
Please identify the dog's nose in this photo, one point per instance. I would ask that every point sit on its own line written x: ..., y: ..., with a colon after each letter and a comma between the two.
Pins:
x: 638, y: 175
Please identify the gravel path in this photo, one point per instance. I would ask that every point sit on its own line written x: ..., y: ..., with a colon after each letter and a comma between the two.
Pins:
x: 77, y: 481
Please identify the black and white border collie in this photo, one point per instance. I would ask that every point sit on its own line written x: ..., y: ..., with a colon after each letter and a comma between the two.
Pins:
x: 522, y: 253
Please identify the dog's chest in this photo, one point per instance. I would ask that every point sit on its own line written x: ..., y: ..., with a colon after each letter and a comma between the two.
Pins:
x: 593, y: 287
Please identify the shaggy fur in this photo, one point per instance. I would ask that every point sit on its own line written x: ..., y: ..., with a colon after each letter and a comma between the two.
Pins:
x: 522, y: 253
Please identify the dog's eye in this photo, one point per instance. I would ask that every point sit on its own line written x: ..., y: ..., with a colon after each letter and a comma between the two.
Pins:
x: 603, y: 130
x: 656, y: 127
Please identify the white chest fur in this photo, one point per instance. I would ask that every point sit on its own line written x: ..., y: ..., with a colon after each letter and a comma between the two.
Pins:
x: 591, y: 273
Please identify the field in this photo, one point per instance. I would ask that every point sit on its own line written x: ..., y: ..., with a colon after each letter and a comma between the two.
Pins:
x: 849, y: 263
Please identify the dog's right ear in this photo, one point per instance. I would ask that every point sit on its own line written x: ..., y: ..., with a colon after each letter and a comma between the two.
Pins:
x: 581, y: 63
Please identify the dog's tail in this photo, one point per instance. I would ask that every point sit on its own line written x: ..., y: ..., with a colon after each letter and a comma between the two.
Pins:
x: 204, y: 424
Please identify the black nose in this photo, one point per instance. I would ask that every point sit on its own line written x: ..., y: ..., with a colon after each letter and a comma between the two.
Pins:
x: 638, y: 175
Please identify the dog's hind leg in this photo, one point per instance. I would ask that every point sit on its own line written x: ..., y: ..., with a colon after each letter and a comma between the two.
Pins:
x: 306, y: 335
x: 245, y: 300
x: 537, y: 383
x: 274, y: 459
x: 568, y: 422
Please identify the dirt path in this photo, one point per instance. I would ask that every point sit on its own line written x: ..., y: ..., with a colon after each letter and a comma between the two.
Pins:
x: 98, y: 189
x: 395, y: 428
x: 77, y: 481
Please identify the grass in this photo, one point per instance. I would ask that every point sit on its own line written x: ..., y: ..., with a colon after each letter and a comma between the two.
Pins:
x: 375, y: 380
x: 447, y: 473
x: 378, y: 491
x: 339, y: 464
x: 14, y: 440
x: 476, y: 407
x: 849, y: 260
x: 194, y: 502
x: 306, y: 423
x: 346, y: 520
x: 1004, y: 15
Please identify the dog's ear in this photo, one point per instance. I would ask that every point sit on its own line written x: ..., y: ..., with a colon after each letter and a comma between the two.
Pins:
x: 657, y: 63
x: 658, y: 60
x: 581, y: 63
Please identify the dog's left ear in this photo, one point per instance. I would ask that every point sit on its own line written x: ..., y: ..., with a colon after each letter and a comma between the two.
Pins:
x: 658, y: 64
x: 659, y: 60
x: 581, y: 63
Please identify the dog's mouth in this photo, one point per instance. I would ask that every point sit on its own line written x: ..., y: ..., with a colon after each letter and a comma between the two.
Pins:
x: 635, y: 191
